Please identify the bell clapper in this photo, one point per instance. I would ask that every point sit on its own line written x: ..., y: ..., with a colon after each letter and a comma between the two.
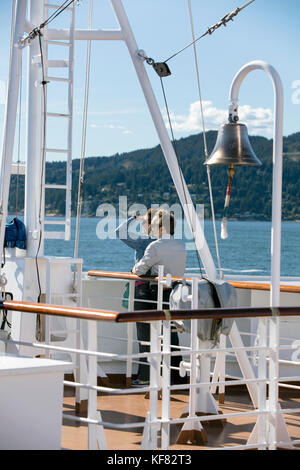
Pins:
x: 224, y: 233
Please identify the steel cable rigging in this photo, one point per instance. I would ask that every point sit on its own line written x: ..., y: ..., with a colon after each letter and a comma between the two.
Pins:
x: 37, y: 31
x: 163, y: 70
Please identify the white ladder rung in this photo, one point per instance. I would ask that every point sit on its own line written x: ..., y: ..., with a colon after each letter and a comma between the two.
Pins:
x: 57, y: 79
x: 55, y: 186
x: 55, y: 7
x: 55, y: 222
x: 57, y: 150
x: 58, y: 43
x: 64, y: 260
x: 68, y: 79
x: 58, y: 63
x: 60, y: 115
x: 54, y: 235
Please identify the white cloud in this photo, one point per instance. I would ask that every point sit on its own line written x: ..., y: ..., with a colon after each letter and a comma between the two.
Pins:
x: 111, y: 126
x: 258, y: 120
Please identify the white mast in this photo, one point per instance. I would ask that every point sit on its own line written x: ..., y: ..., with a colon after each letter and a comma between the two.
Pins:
x: 33, y: 174
x: 19, y: 12
x: 33, y: 119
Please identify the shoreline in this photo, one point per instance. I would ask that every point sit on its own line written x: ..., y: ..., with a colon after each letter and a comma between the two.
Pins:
x: 233, y: 219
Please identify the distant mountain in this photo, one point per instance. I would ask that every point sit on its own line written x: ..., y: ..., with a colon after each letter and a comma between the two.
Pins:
x: 143, y: 177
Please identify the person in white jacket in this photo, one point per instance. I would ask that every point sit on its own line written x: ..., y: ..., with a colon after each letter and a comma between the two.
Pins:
x: 165, y: 250
x: 170, y: 253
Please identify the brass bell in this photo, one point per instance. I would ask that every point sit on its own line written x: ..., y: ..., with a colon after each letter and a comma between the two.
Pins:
x: 233, y: 147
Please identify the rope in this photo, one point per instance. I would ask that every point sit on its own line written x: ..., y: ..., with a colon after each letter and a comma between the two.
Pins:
x: 57, y: 12
x: 37, y: 31
x: 205, y: 142
x: 43, y: 146
x: 19, y: 140
x: 224, y: 233
x: 212, y: 29
x: 180, y: 172
x: 83, y: 143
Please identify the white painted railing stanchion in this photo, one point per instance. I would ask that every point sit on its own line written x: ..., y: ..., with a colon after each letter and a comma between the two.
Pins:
x: 244, y: 363
x: 48, y: 318
x: 193, y: 431
x: 267, y: 436
x: 260, y: 430
x: 273, y: 384
x: 166, y: 366
x: 219, y: 372
x: 262, y: 374
x: 166, y: 377
x: 130, y: 327
x: 96, y: 436
x: 149, y: 441
x: 222, y: 371
x: 278, y: 431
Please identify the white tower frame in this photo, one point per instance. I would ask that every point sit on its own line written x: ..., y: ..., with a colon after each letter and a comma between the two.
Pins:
x: 34, y: 112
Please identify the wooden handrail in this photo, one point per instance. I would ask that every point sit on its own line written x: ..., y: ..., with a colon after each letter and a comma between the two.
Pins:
x: 209, y: 313
x: 59, y: 310
x: 147, y: 315
x: 127, y: 276
x: 236, y: 284
x: 260, y: 286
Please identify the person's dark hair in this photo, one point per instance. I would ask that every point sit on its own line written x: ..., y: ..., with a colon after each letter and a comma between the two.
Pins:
x: 166, y: 220
x: 150, y: 215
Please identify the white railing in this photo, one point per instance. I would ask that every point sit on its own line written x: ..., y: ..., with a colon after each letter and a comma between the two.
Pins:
x: 270, y: 430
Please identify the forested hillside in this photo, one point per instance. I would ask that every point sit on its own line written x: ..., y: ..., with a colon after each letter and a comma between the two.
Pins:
x: 143, y: 177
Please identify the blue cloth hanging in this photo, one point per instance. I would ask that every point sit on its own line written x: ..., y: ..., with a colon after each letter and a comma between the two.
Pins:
x: 15, y: 234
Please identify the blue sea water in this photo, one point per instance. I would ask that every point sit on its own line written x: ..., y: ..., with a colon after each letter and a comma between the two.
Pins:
x: 245, y: 251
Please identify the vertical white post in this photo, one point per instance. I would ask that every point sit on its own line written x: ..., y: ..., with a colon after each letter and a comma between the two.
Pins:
x: 34, y: 121
x: 277, y: 425
x: 155, y: 330
x: 81, y: 365
x: 166, y: 376
x: 273, y: 381
x: 274, y: 323
x: 166, y: 366
x: 277, y: 163
x: 205, y: 401
x: 262, y: 375
x: 222, y: 370
x: 244, y: 363
x: 150, y: 430
x: 160, y: 287
x: 219, y: 370
x: 130, y: 334
x: 193, y: 431
x: 11, y: 112
x: 92, y: 380
x: 194, y: 345
x: 278, y: 431
x: 259, y: 433
x: 48, y: 300
x: 96, y: 436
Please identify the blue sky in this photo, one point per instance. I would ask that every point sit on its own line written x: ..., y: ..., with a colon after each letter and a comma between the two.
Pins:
x: 118, y: 118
